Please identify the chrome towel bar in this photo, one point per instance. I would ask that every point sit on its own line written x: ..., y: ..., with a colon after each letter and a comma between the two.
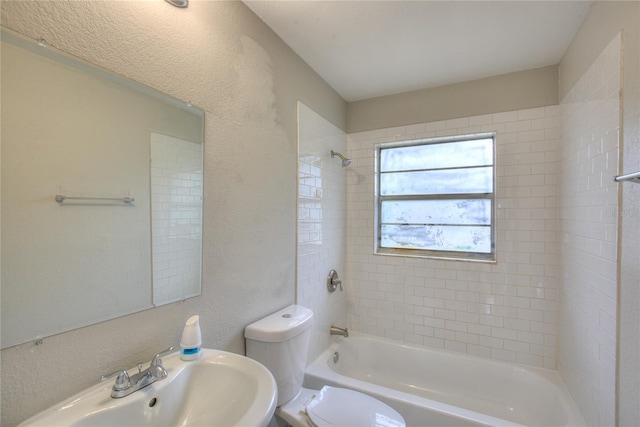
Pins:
x: 128, y: 200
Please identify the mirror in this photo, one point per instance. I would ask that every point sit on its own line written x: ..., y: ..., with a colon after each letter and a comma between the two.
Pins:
x: 101, y: 208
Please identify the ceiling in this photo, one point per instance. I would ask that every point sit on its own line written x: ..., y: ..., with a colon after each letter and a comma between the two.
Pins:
x: 366, y: 49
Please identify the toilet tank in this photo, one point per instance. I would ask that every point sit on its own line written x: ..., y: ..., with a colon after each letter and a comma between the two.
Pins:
x: 280, y: 342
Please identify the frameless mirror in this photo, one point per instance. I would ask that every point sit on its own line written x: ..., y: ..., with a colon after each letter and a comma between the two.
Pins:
x: 101, y: 203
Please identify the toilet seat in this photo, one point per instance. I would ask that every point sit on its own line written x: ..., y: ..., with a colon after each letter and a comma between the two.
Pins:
x: 332, y: 406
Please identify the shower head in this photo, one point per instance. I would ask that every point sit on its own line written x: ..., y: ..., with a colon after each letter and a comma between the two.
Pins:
x: 345, y: 162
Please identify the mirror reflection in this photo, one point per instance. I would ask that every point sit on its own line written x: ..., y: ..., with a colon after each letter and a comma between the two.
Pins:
x: 125, y: 233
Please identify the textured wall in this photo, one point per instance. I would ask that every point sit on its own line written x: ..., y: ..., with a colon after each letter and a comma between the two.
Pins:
x: 221, y: 57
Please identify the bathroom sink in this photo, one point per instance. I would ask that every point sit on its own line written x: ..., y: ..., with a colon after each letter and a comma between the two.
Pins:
x: 220, y: 389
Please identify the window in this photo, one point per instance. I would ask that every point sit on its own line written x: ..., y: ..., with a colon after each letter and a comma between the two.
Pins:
x: 435, y: 198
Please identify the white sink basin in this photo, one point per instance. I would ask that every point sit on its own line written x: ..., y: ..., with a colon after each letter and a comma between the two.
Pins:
x: 220, y: 389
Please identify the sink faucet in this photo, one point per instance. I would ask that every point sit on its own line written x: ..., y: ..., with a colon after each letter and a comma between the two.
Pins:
x: 125, y: 385
x: 334, y: 330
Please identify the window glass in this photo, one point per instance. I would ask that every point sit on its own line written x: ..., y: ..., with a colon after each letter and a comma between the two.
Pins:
x: 437, y: 237
x: 435, y: 198
x: 448, y: 211
x: 447, y: 181
x: 437, y: 155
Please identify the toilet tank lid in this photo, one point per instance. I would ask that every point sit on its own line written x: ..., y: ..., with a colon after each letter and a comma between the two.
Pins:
x: 281, y: 325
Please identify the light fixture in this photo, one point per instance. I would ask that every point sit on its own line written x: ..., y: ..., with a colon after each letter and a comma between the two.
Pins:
x: 178, y: 3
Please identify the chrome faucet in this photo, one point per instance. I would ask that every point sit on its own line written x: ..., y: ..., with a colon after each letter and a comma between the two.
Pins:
x: 334, y: 330
x: 125, y: 385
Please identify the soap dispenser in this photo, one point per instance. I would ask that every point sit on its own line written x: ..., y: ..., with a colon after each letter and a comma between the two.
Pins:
x: 191, y: 340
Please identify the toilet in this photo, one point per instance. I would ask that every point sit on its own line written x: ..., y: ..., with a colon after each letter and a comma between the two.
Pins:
x: 280, y: 342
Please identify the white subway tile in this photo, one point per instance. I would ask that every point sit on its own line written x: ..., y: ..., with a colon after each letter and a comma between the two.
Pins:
x: 462, y: 306
x: 589, y: 127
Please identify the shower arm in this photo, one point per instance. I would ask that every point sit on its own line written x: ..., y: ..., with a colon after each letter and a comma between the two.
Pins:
x: 345, y: 162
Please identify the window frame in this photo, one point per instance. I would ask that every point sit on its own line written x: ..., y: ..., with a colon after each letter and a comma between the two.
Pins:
x: 489, y: 257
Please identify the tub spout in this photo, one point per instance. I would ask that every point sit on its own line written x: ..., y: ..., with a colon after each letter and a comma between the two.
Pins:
x: 334, y: 330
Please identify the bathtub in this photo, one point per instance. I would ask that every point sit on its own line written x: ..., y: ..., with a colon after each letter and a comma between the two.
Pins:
x: 440, y: 388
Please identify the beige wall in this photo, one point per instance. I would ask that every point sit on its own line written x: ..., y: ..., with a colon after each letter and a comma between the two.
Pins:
x: 508, y: 92
x: 604, y: 21
x: 221, y: 57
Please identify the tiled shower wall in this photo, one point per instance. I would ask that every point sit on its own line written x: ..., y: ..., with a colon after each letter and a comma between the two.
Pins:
x: 176, y: 217
x: 322, y: 220
x: 590, y: 129
x: 505, y: 310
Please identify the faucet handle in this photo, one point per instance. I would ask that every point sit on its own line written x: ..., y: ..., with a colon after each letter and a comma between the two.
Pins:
x: 112, y: 374
x: 157, y: 361
x: 156, y: 368
x: 122, y: 381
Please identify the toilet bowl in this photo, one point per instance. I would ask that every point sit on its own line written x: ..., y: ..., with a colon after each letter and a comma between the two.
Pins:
x: 280, y: 342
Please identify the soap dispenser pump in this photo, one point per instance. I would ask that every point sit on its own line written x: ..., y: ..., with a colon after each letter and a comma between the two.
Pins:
x: 191, y: 339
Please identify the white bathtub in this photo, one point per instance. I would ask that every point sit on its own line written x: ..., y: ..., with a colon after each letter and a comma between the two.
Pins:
x: 439, y: 388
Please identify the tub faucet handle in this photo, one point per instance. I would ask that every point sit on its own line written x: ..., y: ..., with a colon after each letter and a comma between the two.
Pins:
x: 333, y: 281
